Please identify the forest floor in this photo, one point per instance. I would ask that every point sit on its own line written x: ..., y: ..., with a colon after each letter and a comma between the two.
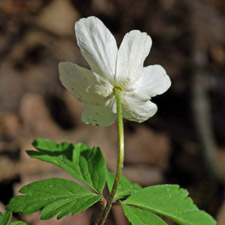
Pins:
x: 184, y: 143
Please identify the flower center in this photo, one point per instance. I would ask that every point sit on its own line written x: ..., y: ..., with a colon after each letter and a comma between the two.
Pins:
x: 118, y: 87
x: 121, y: 86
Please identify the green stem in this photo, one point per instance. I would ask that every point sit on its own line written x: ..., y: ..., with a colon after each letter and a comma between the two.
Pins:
x: 108, y: 206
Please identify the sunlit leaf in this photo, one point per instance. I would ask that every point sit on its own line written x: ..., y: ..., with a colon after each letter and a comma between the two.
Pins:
x: 172, y: 202
x: 82, y: 162
x: 54, y: 197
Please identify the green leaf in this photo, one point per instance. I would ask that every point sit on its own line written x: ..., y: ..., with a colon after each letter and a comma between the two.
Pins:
x: 82, y: 162
x: 54, y: 197
x: 172, y: 202
x: 18, y: 223
x: 138, y: 216
x: 5, y: 218
x: 125, y: 187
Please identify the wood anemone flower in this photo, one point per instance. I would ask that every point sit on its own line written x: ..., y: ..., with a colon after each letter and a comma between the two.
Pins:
x: 112, y: 68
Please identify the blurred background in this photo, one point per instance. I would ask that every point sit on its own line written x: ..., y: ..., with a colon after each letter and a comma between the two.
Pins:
x: 184, y: 143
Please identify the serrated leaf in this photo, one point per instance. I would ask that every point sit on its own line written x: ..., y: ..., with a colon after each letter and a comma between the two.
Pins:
x: 18, y: 223
x: 125, y: 187
x: 5, y: 218
x: 82, y: 162
x: 172, y: 202
x: 138, y: 216
x: 54, y: 196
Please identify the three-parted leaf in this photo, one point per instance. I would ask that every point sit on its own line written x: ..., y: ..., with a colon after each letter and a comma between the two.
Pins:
x: 138, y: 216
x: 172, y: 202
x: 54, y: 196
x: 125, y: 187
x: 82, y: 162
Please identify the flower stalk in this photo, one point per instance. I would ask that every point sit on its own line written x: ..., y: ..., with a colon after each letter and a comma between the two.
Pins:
x: 108, y: 206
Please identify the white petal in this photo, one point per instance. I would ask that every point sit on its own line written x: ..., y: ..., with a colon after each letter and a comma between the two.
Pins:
x: 98, y: 116
x: 136, y: 110
x: 153, y: 81
x: 84, y: 85
x: 97, y: 45
x: 133, y: 50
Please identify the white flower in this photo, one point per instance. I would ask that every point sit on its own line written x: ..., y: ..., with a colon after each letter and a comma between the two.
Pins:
x: 113, y: 68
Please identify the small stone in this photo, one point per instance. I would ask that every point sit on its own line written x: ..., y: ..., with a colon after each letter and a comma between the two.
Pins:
x: 10, y: 125
x: 36, y: 116
x: 58, y: 17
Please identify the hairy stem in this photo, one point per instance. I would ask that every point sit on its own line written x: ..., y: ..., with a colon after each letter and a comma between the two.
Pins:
x: 108, y: 206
